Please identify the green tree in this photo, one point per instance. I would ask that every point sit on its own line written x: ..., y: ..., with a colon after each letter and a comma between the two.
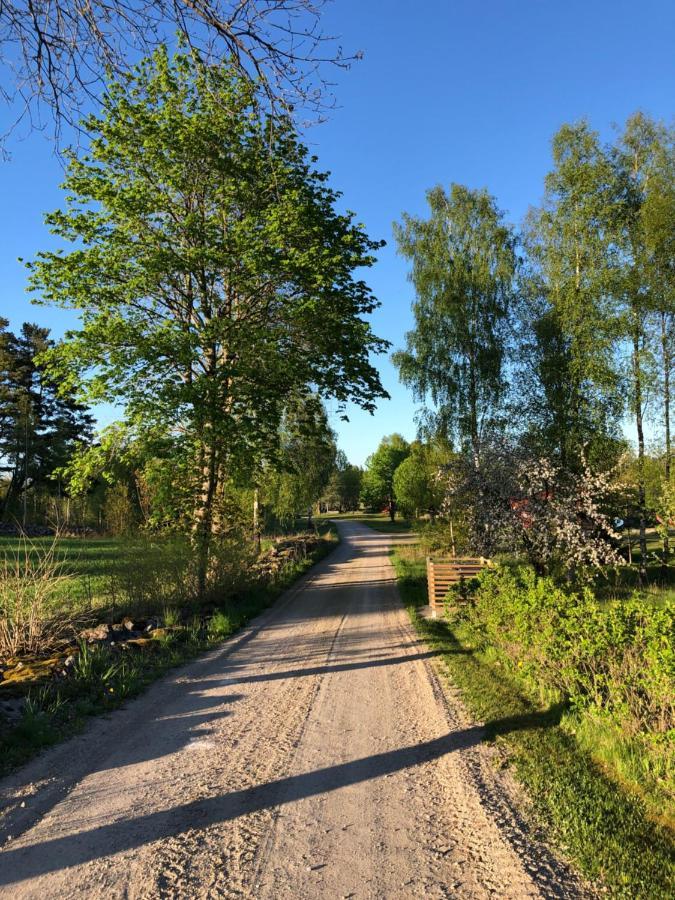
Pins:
x: 344, y: 487
x: 416, y: 484
x: 304, y: 462
x: 571, y: 323
x: 463, y: 267
x: 39, y: 427
x: 377, y: 486
x: 212, y: 271
x: 646, y: 155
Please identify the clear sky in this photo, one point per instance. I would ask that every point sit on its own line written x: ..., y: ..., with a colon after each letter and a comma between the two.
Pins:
x: 449, y: 90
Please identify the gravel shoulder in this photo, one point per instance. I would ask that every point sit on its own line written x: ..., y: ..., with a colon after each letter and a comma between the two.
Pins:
x: 312, y: 755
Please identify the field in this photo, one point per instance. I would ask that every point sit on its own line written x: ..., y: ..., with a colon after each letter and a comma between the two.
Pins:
x: 85, y: 565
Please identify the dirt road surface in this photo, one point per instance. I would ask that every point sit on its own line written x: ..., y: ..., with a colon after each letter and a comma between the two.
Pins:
x: 313, y: 755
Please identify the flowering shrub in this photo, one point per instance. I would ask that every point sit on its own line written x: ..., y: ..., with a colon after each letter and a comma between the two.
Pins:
x: 514, y: 502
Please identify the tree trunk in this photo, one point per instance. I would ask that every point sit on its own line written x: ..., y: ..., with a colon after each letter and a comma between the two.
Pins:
x: 256, y: 519
x: 473, y: 411
x: 642, y: 505
x: 203, y: 524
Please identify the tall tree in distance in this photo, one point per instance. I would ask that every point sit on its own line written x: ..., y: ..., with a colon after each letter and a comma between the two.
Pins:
x: 646, y: 294
x: 377, y: 486
x: 463, y: 267
x: 213, y: 274
x: 39, y: 427
x: 658, y: 223
x: 344, y: 487
x: 304, y: 461
x: 572, y: 314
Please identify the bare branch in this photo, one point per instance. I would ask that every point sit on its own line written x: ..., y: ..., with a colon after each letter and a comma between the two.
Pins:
x: 54, y: 53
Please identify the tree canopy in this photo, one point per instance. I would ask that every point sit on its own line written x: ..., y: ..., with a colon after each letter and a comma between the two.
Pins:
x: 213, y: 274
x: 463, y: 266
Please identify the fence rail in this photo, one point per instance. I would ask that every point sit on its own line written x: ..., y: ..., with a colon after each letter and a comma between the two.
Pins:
x: 442, y: 574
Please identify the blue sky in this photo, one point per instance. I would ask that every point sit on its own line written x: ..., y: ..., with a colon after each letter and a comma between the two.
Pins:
x: 449, y: 90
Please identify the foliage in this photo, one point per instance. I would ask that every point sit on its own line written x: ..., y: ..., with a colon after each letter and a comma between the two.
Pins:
x: 304, y: 461
x: 32, y: 580
x: 617, y: 660
x: 40, y: 426
x: 416, y: 486
x: 377, y: 485
x: 519, y: 503
x: 463, y: 267
x: 343, y: 490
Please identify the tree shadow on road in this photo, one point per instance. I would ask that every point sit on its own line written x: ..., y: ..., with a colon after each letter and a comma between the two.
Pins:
x: 76, y: 849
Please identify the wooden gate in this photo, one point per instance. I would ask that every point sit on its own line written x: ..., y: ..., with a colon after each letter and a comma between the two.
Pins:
x: 442, y: 574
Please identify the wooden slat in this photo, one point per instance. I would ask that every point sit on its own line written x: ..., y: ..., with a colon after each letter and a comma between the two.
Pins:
x: 442, y: 574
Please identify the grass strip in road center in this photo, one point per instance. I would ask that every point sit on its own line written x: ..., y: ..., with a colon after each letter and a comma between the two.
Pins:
x: 604, y: 831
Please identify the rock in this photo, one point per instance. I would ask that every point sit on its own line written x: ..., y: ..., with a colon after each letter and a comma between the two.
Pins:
x: 128, y: 624
x: 98, y: 633
x: 69, y: 661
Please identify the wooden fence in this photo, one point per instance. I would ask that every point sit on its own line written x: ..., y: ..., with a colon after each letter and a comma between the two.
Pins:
x: 442, y: 574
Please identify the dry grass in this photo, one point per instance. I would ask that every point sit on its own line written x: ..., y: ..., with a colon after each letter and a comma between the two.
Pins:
x: 32, y: 584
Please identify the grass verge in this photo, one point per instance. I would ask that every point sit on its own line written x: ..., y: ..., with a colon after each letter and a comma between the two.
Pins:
x: 101, y: 680
x: 606, y: 832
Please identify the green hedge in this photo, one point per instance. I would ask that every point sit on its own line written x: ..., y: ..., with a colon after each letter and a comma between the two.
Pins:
x: 613, y: 663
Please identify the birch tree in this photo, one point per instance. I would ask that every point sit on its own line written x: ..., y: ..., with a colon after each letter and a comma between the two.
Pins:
x: 463, y: 266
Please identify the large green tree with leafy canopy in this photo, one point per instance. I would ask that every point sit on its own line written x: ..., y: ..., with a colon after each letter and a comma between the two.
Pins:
x: 463, y: 266
x: 572, y: 316
x: 213, y: 273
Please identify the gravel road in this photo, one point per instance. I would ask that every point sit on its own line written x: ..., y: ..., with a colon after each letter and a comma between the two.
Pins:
x: 313, y: 755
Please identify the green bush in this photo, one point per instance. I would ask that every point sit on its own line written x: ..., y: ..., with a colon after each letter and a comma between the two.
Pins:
x: 614, y: 664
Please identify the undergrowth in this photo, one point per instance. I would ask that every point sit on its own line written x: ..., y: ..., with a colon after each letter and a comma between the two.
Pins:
x: 102, y: 678
x: 606, y: 831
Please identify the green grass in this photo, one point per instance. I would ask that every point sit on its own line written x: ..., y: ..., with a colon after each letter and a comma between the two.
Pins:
x: 377, y: 521
x: 88, y: 562
x: 604, y: 830
x: 103, y: 679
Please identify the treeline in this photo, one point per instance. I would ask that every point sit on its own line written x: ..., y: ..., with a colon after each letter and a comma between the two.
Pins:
x: 533, y: 347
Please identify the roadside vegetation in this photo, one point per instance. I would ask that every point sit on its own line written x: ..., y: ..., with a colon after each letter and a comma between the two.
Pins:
x: 572, y: 758
x: 51, y: 688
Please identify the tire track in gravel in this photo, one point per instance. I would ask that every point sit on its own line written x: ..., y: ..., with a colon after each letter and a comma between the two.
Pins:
x: 314, y: 755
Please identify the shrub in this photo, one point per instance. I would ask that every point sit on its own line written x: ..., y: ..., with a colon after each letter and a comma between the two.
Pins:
x: 32, y: 580
x: 610, y: 661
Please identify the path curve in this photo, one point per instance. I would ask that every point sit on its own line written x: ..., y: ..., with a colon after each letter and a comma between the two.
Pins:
x: 313, y: 755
